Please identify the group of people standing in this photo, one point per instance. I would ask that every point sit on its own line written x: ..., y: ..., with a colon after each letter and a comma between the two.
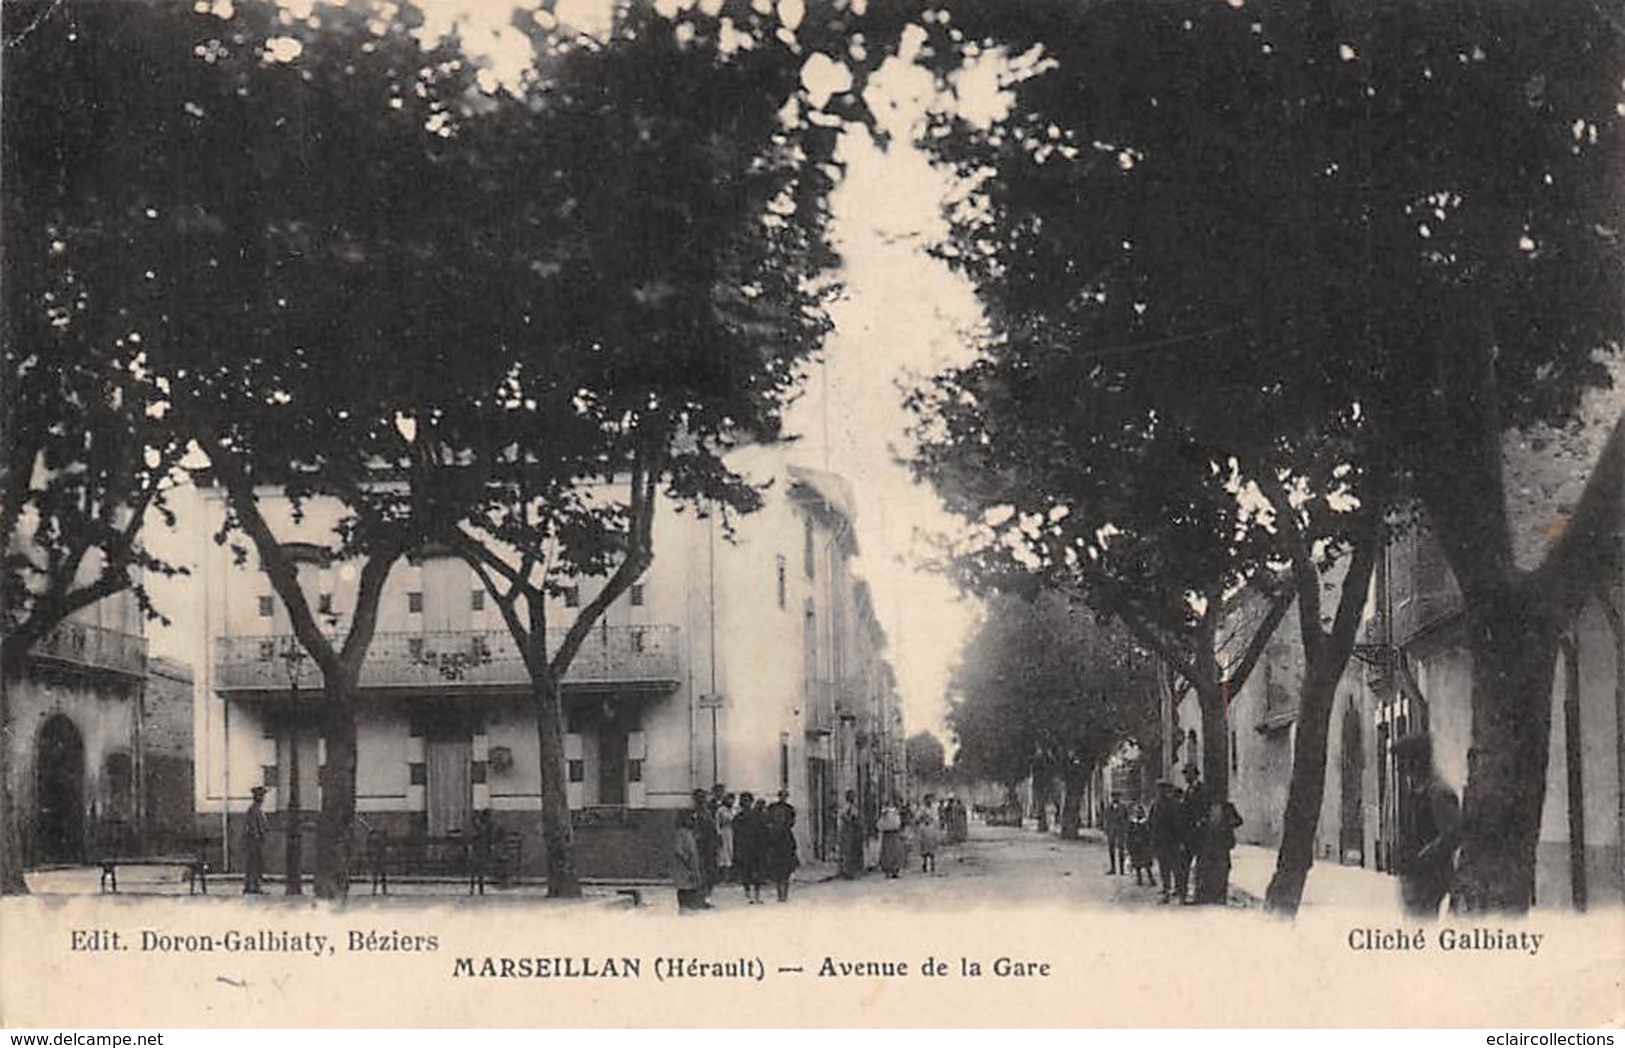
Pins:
x: 723, y: 839
x: 929, y: 824
x: 1184, y: 830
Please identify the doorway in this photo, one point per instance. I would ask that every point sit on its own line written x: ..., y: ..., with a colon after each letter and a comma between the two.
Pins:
x: 449, y: 756
x: 1351, y: 838
x: 60, y: 768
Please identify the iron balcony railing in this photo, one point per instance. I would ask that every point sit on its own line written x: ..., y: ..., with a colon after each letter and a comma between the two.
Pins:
x: 644, y: 656
x: 96, y: 647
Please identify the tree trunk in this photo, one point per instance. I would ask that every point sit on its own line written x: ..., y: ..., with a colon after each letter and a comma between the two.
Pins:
x: 1041, y: 792
x: 334, y: 830
x: 1305, y: 790
x: 1514, y: 654
x: 558, y: 838
x: 11, y: 837
x: 1072, y: 803
x: 1215, y: 741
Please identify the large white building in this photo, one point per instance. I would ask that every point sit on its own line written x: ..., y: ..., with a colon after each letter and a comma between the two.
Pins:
x: 753, y: 660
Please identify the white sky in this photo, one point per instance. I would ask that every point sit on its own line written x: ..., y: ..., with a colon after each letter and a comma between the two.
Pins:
x: 902, y: 315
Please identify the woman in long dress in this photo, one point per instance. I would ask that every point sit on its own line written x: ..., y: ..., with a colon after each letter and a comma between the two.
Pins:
x: 725, y: 839
x: 687, y: 873
x: 891, y: 841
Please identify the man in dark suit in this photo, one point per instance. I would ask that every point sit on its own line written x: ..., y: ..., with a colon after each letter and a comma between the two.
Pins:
x: 1429, y: 828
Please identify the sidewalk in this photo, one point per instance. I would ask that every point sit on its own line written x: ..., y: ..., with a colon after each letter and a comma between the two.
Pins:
x: 1329, y: 885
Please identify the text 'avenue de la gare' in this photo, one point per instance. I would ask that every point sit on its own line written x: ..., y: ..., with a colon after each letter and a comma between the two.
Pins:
x: 669, y: 968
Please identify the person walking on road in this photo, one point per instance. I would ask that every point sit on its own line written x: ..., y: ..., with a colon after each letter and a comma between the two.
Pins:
x: 255, y: 829
x: 1430, y: 829
x: 1193, y: 815
x: 1115, y: 823
x: 1165, y: 834
x: 1139, y: 845
x: 781, y: 844
x: 687, y: 869
x: 704, y: 828
x: 725, y: 839
x: 483, y: 851
x: 925, y: 835
x: 892, y: 852
x: 851, y: 838
x: 750, y: 844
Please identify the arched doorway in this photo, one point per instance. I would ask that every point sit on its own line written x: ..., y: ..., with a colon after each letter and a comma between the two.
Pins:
x: 60, y: 771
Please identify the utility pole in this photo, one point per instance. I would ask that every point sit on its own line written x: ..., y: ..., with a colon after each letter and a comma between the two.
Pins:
x: 293, y: 856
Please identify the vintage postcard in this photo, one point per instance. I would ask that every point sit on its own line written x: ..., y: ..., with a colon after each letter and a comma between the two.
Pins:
x: 812, y: 513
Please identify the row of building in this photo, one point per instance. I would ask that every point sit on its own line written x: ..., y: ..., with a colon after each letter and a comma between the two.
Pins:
x: 1412, y: 673
x: 749, y: 655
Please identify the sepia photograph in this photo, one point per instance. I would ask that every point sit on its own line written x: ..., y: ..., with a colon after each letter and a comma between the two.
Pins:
x: 812, y: 513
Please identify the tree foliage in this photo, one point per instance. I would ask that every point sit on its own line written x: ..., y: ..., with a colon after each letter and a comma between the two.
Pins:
x: 1260, y: 244
x: 926, y: 759
x: 516, y: 300
x: 1045, y: 688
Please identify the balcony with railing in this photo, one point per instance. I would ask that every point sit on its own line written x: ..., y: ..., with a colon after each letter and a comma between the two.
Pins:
x: 84, y: 646
x: 637, y: 657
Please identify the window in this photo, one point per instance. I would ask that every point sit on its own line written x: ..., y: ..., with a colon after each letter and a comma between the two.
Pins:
x: 414, y: 602
x: 807, y: 547
x: 267, y: 650
x: 1235, y: 754
x: 414, y: 647
x: 637, y: 594
x: 783, y: 584
x: 578, y: 771
x: 324, y: 604
x: 572, y: 596
x: 268, y: 774
x: 634, y: 771
x: 267, y: 608
x: 572, y: 723
x: 476, y: 600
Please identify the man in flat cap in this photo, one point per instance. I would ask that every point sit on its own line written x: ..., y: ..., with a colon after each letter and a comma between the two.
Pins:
x: 1429, y: 828
x: 255, y: 827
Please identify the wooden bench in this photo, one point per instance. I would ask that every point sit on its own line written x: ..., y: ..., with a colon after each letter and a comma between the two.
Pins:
x: 451, y: 856
x: 196, y: 864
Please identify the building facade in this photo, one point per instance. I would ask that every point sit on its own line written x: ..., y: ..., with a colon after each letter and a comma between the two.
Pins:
x: 100, y: 744
x: 1412, y: 673
x: 745, y: 656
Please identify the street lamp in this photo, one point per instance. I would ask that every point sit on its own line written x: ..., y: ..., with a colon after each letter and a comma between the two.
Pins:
x: 293, y: 658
